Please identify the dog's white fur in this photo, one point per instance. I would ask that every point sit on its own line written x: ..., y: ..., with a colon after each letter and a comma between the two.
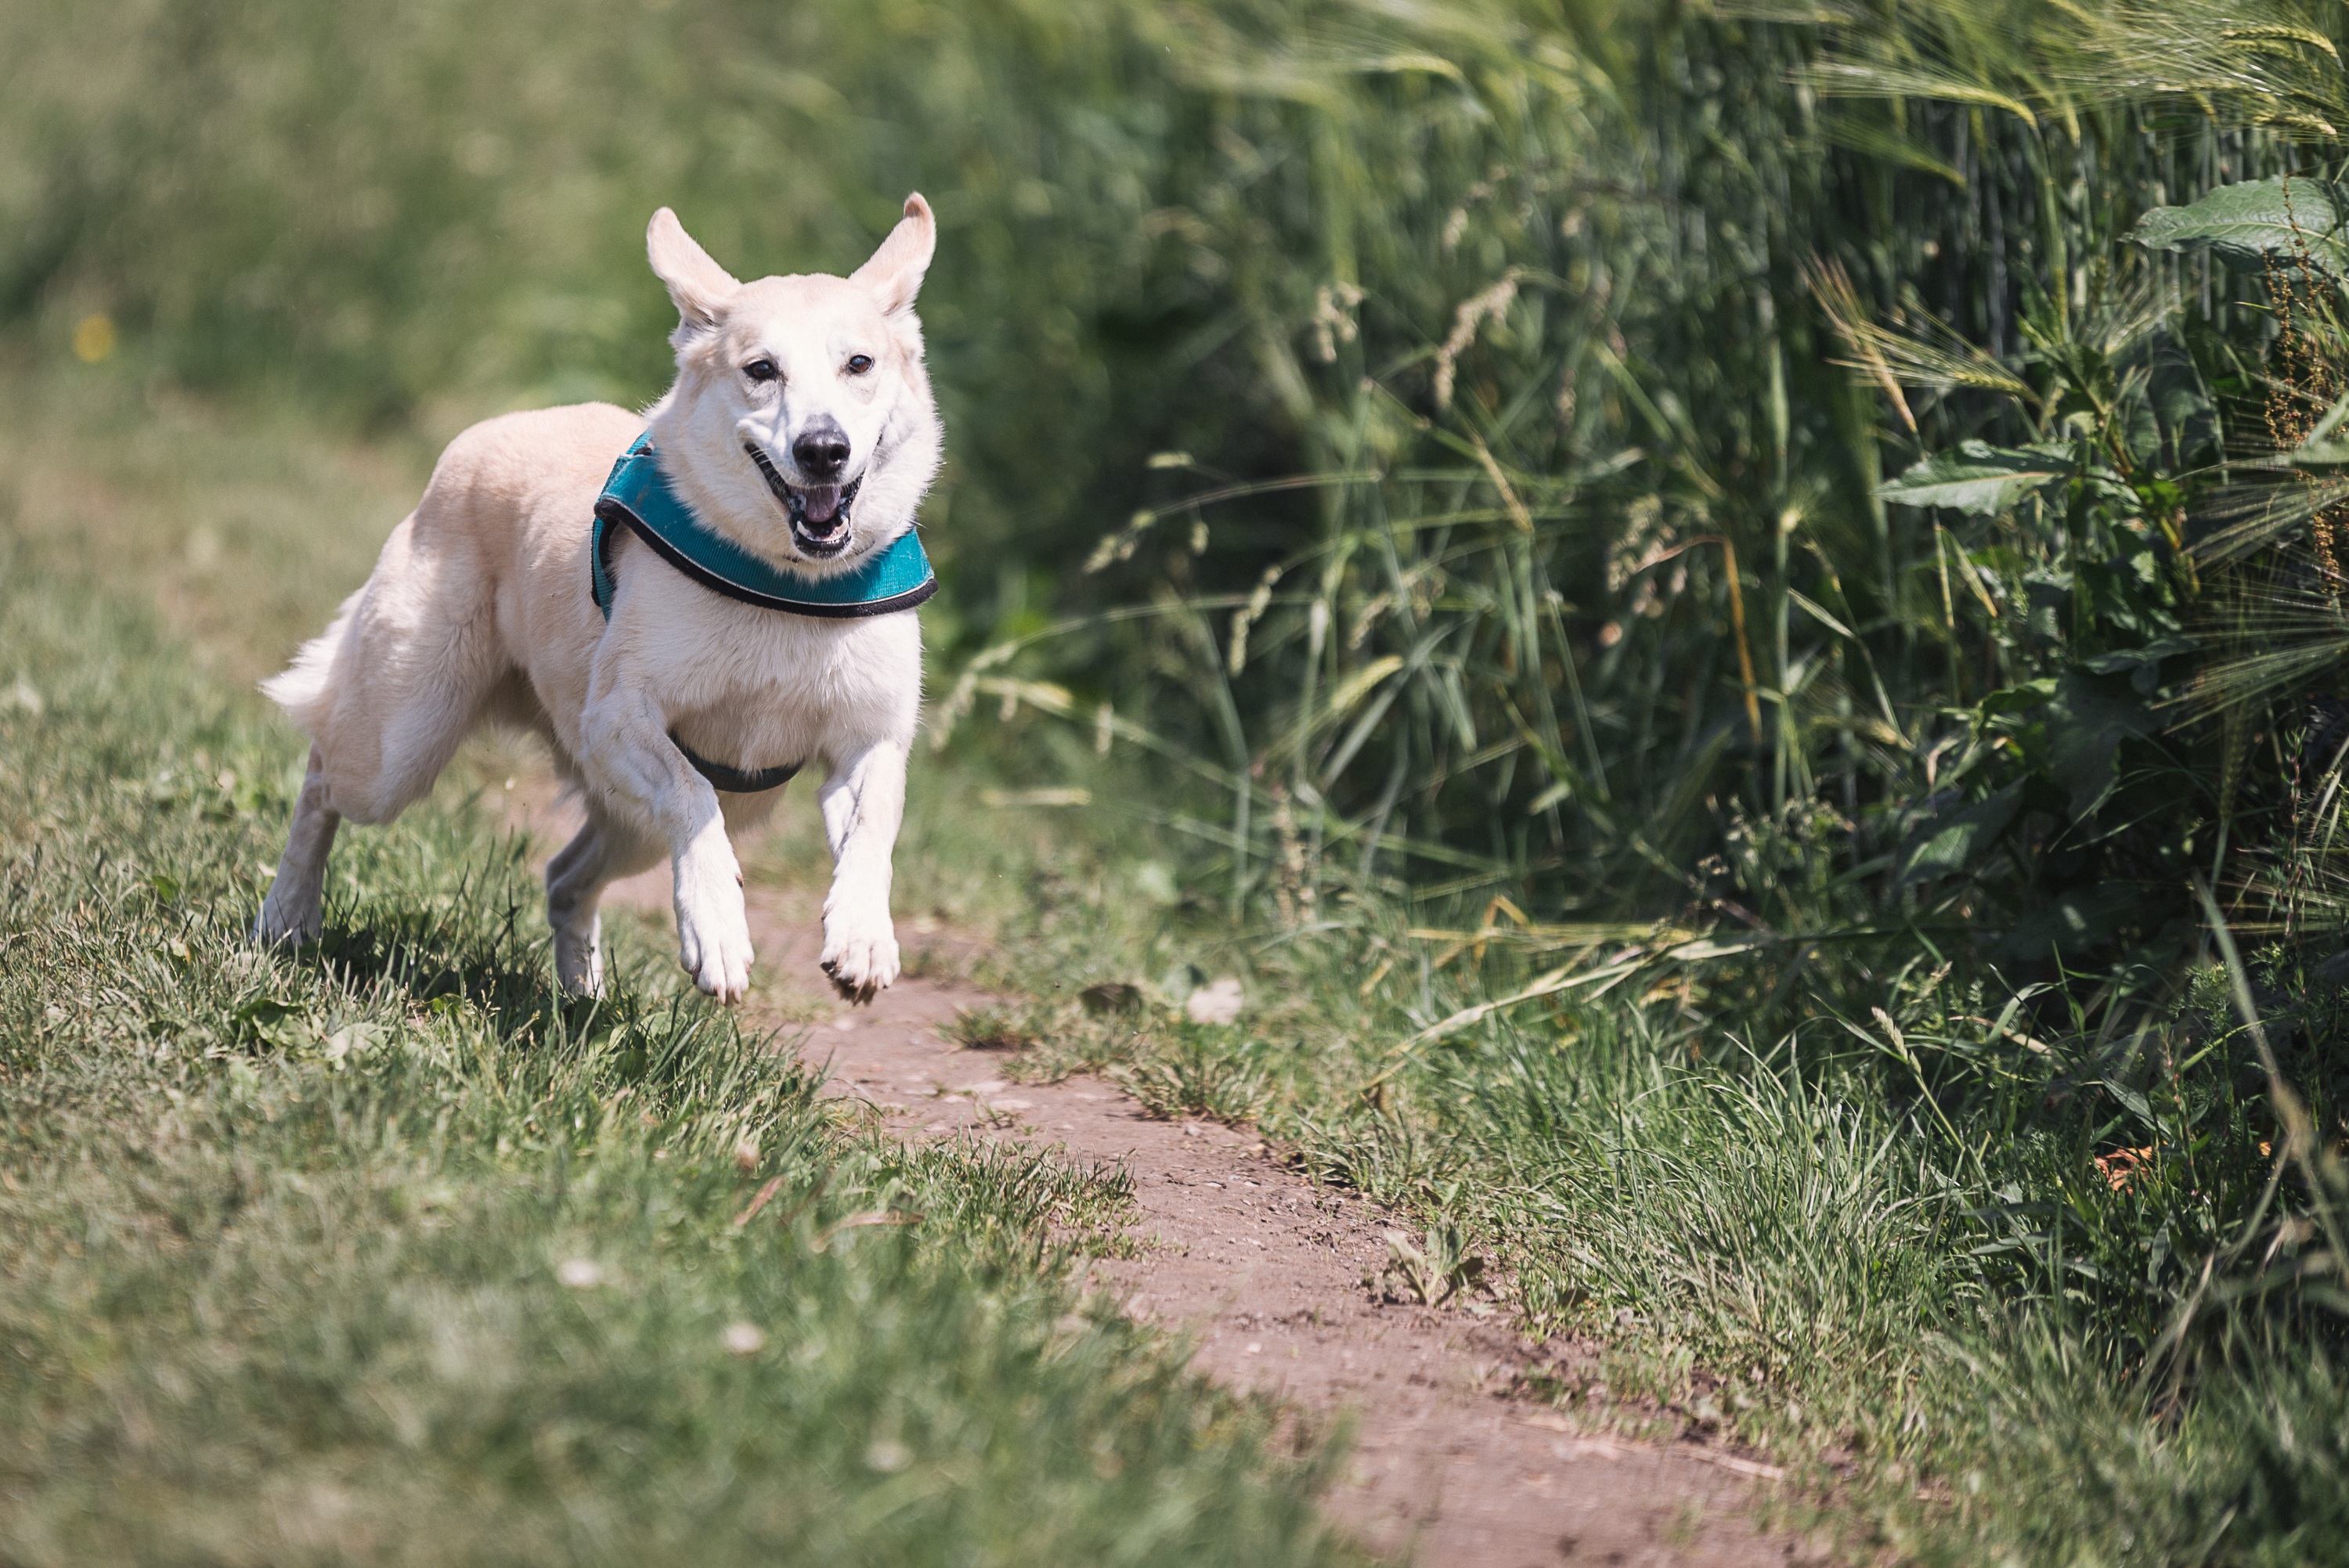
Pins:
x: 478, y: 611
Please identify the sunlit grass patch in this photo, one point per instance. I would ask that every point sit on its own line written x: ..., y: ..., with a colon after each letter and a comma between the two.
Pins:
x: 991, y: 1026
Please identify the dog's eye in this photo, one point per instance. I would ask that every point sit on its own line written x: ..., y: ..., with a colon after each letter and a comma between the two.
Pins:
x: 858, y: 364
x: 759, y: 371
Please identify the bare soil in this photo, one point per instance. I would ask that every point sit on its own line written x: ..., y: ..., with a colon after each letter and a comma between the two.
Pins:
x: 1266, y: 1274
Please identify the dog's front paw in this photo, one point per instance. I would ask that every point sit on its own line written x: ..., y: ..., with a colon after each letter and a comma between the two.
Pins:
x: 860, y: 954
x: 287, y: 918
x: 713, y: 936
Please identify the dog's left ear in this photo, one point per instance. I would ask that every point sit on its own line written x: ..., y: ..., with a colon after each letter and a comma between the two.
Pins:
x: 894, y: 272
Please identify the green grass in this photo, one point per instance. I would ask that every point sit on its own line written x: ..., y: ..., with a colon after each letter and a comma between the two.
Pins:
x: 288, y: 1180
x: 382, y: 1252
x: 1934, y: 1311
x: 1510, y: 525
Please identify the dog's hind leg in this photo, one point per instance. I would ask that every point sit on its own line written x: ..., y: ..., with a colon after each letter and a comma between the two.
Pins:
x: 404, y: 673
x: 294, y: 909
x: 387, y: 693
x: 600, y: 854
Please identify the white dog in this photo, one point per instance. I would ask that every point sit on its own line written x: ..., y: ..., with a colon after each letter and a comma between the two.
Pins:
x: 736, y: 602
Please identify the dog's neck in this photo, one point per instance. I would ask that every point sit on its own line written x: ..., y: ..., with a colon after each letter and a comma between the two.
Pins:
x: 639, y: 499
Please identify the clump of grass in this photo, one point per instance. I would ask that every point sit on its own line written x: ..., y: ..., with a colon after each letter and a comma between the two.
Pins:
x: 1437, y: 1268
x: 993, y: 1026
x: 1190, y: 1073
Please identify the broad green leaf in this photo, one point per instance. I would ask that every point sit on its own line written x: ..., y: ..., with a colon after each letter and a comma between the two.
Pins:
x: 2142, y: 664
x: 1979, y: 478
x: 2076, y: 920
x: 1955, y: 842
x: 2131, y: 1100
x: 2248, y: 222
x: 2087, y: 722
x: 2018, y: 698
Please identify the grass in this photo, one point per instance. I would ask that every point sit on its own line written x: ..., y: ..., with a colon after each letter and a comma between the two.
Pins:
x: 382, y: 1252
x: 1749, y: 903
x: 1773, y: 1241
x: 1931, y: 1308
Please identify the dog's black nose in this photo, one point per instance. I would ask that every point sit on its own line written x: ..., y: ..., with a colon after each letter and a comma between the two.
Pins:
x: 822, y: 450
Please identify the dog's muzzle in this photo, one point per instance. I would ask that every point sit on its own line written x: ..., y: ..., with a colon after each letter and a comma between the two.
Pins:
x: 819, y: 513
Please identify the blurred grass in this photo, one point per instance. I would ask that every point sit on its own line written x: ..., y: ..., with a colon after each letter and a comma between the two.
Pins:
x: 415, y: 214
x: 241, y: 528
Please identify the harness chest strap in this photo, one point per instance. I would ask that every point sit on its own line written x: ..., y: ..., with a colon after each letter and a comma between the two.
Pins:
x: 637, y: 496
x: 734, y: 780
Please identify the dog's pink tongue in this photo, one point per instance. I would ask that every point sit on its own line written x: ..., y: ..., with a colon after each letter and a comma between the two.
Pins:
x: 822, y: 503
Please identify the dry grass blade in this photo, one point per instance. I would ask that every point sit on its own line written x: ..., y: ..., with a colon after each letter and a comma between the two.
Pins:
x: 1930, y: 354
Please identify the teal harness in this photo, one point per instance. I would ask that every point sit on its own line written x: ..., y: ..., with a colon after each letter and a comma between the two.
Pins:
x: 637, y: 496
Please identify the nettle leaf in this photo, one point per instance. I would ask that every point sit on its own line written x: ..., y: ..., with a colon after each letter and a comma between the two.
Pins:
x: 2047, y: 596
x: 2181, y: 405
x: 2020, y: 698
x: 2088, y: 720
x: 1957, y: 840
x: 2142, y: 664
x: 2125, y: 598
x: 2295, y: 219
x: 1980, y: 477
x: 2079, y: 919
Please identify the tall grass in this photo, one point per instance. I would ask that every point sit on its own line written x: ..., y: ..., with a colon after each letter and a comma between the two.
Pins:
x: 1591, y: 547
x: 1616, y: 647
x: 1488, y: 355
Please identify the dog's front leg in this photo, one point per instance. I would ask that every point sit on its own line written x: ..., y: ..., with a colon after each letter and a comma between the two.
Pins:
x: 630, y: 758
x: 864, y: 803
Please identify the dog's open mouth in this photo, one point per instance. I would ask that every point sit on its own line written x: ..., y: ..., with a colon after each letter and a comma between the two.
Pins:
x: 819, y: 513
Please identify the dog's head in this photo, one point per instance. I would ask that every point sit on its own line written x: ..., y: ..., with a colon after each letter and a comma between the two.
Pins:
x: 800, y: 423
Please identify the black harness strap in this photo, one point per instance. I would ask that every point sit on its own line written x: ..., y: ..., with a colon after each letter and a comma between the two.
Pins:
x: 734, y: 780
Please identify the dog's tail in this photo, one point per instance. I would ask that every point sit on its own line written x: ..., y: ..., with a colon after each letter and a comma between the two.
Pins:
x: 302, y: 689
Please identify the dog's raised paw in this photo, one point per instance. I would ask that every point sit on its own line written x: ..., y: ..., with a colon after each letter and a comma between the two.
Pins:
x: 862, y: 959
x: 579, y: 959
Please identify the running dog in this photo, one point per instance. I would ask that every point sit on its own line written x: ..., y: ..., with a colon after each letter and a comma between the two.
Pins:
x: 688, y: 605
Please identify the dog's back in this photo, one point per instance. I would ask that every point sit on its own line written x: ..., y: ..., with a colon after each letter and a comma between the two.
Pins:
x: 426, y: 647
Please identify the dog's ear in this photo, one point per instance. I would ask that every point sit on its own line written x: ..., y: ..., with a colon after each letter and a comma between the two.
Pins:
x: 699, y: 286
x: 894, y: 272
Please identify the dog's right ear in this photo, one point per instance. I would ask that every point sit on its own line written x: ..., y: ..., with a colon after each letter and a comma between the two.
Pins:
x: 699, y: 286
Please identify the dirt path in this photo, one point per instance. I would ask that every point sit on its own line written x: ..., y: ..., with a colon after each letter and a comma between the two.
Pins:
x: 1267, y: 1275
